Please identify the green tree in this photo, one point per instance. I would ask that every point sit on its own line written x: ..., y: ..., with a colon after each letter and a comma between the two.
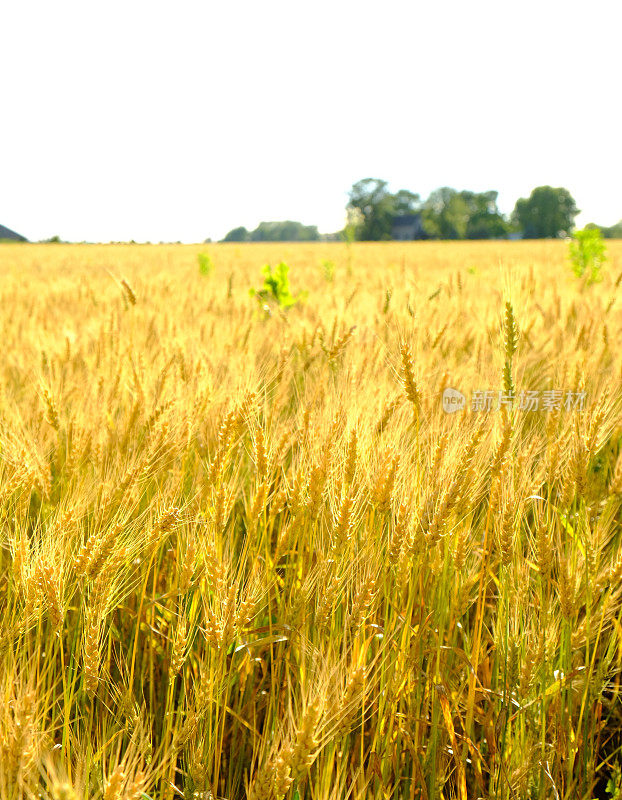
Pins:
x: 546, y: 213
x: 446, y: 214
x: 611, y: 232
x: 237, y: 235
x: 373, y: 208
x: 614, y: 231
x: 406, y: 202
x: 286, y: 231
x: 372, y: 199
x: 485, y: 219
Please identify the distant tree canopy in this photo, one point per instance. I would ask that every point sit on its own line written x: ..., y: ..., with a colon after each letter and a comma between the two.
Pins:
x: 237, y: 235
x: 376, y: 214
x: 286, y: 231
x: 485, y: 221
x: 546, y: 213
x: 372, y: 208
x: 446, y: 214
x: 611, y: 232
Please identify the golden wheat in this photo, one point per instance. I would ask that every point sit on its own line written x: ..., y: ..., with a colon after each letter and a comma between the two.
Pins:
x: 246, y: 553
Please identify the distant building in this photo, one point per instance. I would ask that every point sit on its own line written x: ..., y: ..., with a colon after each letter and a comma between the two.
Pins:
x: 7, y: 233
x: 408, y: 227
x: 332, y: 237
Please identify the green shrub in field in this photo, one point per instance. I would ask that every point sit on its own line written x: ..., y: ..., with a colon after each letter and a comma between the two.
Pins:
x: 276, y: 287
x: 587, y: 254
x: 206, y: 265
x: 328, y: 269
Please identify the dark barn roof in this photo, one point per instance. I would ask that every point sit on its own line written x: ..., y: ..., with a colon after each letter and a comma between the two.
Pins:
x: 7, y: 233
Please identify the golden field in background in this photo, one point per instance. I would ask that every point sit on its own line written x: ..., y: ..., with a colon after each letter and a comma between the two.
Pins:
x: 245, y: 552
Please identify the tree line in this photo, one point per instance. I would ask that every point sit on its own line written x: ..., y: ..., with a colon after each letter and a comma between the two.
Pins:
x: 451, y: 214
x: 286, y: 231
x: 373, y: 212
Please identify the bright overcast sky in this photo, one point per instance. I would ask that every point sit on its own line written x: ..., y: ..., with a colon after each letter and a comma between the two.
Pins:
x: 178, y: 121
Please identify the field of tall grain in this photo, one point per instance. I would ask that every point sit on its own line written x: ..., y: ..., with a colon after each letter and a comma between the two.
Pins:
x: 245, y: 553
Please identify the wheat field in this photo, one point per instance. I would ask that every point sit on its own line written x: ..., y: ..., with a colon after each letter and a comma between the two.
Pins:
x: 245, y: 553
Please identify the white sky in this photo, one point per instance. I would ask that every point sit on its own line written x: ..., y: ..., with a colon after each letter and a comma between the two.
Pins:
x: 180, y: 120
